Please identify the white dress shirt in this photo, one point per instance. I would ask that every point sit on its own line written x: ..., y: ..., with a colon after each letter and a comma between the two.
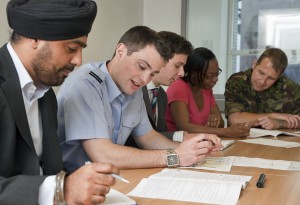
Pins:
x: 178, y: 135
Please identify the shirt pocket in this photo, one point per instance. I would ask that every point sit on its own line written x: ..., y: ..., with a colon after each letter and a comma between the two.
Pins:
x: 127, y: 127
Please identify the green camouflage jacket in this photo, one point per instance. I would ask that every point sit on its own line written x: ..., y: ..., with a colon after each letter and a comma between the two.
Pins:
x: 282, y: 97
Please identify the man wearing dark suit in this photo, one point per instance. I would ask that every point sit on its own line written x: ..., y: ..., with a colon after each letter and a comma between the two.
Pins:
x: 173, y: 69
x: 158, y: 122
x: 36, y: 58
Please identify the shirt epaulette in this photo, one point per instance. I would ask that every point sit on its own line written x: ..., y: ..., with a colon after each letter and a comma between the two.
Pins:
x: 95, y: 76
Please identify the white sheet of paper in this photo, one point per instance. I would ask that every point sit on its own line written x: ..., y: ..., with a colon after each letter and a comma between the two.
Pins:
x: 214, y: 163
x: 192, y: 186
x: 266, y: 163
x: 115, y: 197
x: 227, y: 143
x: 272, y: 142
x: 200, y: 176
x: 192, y: 191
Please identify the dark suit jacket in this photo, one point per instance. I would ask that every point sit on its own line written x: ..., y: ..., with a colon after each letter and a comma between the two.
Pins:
x: 19, y: 164
x: 162, y: 102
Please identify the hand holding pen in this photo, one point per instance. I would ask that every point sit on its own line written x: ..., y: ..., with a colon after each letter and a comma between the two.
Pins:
x: 89, y: 184
x: 114, y: 175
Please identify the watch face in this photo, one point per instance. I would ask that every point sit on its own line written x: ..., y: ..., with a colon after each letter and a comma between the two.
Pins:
x: 172, y: 160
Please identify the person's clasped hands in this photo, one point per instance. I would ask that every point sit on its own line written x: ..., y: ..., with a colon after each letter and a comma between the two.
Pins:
x: 279, y: 120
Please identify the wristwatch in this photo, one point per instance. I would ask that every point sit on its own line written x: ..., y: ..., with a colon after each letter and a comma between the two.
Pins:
x: 280, y: 123
x: 172, y: 158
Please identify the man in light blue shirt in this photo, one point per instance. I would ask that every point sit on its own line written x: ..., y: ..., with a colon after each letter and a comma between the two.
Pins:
x: 101, y: 104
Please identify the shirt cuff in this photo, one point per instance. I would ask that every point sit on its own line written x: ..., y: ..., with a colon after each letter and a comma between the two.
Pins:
x: 46, y: 191
x: 178, y: 136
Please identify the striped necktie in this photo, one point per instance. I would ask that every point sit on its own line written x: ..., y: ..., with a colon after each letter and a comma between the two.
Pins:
x: 154, y: 101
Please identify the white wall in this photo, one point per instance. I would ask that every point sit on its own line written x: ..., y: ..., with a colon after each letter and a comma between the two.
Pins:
x: 114, y: 17
x: 163, y: 15
x: 4, y: 29
x: 207, y: 27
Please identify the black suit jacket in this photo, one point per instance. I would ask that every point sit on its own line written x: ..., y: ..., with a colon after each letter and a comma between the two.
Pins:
x: 162, y: 103
x: 19, y: 164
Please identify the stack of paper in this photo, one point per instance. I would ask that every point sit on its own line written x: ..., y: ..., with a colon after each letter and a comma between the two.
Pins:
x: 192, y: 186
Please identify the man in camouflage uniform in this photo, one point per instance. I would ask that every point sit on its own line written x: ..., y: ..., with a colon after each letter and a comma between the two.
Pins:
x: 262, y: 96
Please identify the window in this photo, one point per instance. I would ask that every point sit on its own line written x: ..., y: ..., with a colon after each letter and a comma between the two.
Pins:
x: 259, y: 24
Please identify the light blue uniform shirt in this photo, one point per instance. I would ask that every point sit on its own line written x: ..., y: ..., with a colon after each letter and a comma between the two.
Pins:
x: 89, y: 108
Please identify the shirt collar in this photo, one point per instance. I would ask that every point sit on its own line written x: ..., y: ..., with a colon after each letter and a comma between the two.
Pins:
x: 112, y: 89
x: 151, y: 86
x: 30, y: 91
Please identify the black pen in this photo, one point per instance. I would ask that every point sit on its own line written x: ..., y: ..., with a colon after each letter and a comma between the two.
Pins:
x: 261, y: 181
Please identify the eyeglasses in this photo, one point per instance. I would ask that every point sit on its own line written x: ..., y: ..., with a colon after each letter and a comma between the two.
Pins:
x: 210, y: 76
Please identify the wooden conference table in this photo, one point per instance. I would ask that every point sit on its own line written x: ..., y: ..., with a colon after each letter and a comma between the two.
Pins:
x: 281, y: 187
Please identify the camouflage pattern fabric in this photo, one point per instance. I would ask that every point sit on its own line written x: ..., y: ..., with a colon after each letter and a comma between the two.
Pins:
x: 282, y: 97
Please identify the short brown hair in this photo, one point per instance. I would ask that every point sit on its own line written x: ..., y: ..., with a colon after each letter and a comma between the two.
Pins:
x: 277, y: 57
x: 139, y: 37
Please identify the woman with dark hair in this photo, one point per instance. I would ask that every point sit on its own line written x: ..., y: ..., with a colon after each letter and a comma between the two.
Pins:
x: 191, y: 104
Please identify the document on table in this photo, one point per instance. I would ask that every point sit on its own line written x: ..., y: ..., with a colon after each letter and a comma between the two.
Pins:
x: 192, y: 186
x: 227, y: 143
x: 255, y: 132
x: 115, y: 197
x: 214, y: 163
x: 272, y: 142
x: 266, y: 163
x: 202, y: 176
x: 298, y: 132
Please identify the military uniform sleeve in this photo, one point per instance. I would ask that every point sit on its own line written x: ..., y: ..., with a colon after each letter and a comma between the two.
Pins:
x: 232, y: 94
x: 297, y: 100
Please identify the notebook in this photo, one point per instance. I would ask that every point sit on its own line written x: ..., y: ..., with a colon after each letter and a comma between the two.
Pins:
x: 255, y: 132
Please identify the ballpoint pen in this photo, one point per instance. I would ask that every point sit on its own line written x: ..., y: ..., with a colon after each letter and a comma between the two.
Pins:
x: 120, y: 178
x: 115, y: 175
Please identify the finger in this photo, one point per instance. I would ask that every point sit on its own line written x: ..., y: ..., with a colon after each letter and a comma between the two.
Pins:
x: 297, y: 117
x: 296, y: 121
x: 261, y: 119
x: 97, y: 199
x: 201, y: 153
x: 105, y: 168
x: 103, y: 190
x: 198, y: 138
x: 105, y: 179
x: 213, y: 138
x: 216, y: 140
x: 289, y: 123
x: 205, y: 146
x: 218, y: 123
x: 209, y: 123
x: 297, y: 124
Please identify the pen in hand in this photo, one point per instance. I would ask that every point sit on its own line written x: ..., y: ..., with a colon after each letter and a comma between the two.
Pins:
x: 120, y: 178
x: 115, y: 175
